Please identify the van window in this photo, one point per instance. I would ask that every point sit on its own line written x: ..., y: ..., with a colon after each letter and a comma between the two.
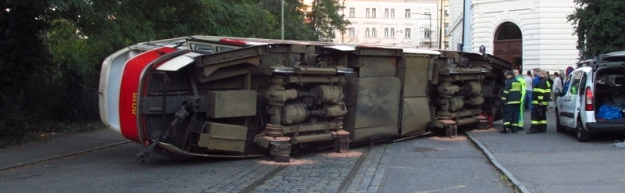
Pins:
x: 582, y: 84
x: 567, y: 83
x: 577, y: 77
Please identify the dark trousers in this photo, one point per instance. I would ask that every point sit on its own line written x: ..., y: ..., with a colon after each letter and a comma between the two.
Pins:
x: 511, y: 117
x: 539, y: 118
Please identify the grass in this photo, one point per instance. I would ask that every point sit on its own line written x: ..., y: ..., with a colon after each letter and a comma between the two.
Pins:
x: 509, y: 183
x: 49, y: 130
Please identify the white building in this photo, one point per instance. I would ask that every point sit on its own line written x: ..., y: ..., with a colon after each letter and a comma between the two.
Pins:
x: 531, y: 33
x: 405, y: 23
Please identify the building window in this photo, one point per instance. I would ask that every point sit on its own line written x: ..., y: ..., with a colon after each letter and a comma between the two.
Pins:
x: 386, y: 13
x: 386, y: 34
x: 368, y: 13
x: 367, y: 32
x: 373, y: 12
x: 374, y: 33
x: 392, y: 13
x: 392, y: 32
x: 352, y: 12
x: 352, y: 32
x: 407, y: 34
x: 407, y: 13
x: 426, y: 33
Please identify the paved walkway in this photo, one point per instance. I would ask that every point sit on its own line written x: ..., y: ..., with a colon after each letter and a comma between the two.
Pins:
x: 63, y: 145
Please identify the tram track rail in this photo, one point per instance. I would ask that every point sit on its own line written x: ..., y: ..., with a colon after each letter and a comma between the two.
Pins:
x: 46, y: 159
x: 350, y: 176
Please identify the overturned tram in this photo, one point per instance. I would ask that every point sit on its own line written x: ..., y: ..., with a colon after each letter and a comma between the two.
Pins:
x: 235, y: 97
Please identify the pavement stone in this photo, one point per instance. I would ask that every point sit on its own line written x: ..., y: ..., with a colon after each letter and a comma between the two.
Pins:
x: 369, y: 169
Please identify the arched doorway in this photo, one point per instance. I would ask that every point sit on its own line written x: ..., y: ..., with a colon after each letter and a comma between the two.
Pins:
x: 508, y: 43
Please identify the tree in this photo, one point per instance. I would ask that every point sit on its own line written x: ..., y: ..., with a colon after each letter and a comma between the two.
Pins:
x: 23, y: 60
x: 599, y: 25
x: 294, y: 17
x: 326, y: 17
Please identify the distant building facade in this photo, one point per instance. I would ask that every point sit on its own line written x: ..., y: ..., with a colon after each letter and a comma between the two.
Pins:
x: 403, y: 23
x: 531, y: 33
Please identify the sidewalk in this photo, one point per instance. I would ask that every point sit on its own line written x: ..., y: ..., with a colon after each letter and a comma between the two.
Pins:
x: 60, y: 146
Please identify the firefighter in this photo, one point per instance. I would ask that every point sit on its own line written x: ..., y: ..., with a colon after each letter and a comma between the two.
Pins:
x: 540, y: 102
x: 520, y: 79
x: 511, y: 98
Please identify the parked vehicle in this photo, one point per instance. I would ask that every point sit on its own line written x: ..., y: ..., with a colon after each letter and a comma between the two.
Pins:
x: 594, y: 97
x: 241, y: 97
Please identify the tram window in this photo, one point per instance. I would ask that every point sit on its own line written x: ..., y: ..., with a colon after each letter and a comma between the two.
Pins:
x: 223, y: 49
x: 203, y: 48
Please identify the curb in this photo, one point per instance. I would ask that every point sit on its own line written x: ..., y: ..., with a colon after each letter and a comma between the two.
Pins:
x: 2, y: 169
x: 496, y: 163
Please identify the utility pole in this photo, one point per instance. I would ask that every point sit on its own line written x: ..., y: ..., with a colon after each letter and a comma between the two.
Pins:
x: 282, y: 21
x: 430, y: 28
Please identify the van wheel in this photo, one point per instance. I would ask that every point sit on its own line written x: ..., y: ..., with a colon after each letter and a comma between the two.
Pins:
x: 559, y: 127
x: 582, y: 134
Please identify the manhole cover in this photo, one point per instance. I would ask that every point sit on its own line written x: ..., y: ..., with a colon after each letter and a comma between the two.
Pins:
x: 423, y: 149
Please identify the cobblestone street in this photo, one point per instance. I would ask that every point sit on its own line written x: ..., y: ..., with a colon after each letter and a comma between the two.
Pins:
x: 429, y: 164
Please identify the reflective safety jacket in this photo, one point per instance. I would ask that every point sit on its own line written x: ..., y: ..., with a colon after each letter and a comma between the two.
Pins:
x: 512, y: 92
x: 523, y: 86
x: 542, y: 93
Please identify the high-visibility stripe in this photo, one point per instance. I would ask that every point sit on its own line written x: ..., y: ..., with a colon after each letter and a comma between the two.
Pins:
x: 535, y: 102
x: 506, y: 123
x: 514, y: 102
x: 535, y: 122
x: 515, y: 125
x: 545, y: 103
x: 503, y: 98
x: 515, y: 90
x: 505, y: 91
x: 540, y: 97
x: 544, y: 122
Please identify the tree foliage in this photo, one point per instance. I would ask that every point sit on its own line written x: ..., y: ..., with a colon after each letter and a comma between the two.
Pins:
x: 599, y: 26
x: 326, y: 17
x: 51, y: 50
x: 294, y: 17
x: 23, y: 59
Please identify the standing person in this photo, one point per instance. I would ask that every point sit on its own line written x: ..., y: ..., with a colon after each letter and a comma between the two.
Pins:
x: 536, y: 77
x: 540, y: 101
x: 519, y: 78
x: 511, y: 98
x: 557, y: 86
x: 527, y: 100
x: 549, y: 78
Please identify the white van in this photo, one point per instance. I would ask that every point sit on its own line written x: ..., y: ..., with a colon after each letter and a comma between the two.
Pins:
x: 599, y: 82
